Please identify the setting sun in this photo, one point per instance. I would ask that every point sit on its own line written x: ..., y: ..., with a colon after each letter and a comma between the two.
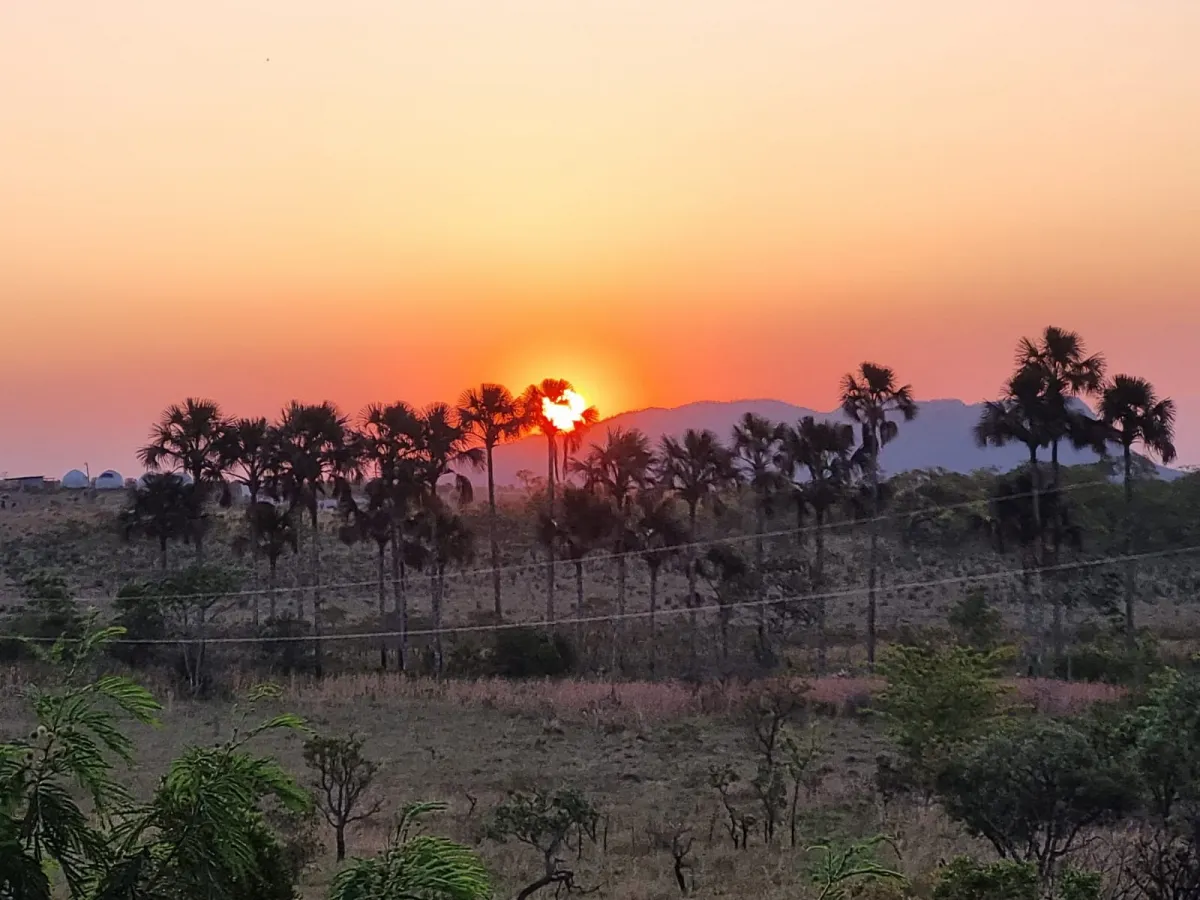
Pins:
x: 563, y: 416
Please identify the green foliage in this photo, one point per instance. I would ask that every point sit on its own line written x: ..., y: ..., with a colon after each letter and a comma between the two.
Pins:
x: 938, y: 699
x: 1165, y: 730
x: 49, y: 611
x: 975, y: 622
x: 415, y: 867
x: 839, y: 868
x: 544, y: 821
x: 965, y: 879
x: 1032, y: 788
x: 529, y: 653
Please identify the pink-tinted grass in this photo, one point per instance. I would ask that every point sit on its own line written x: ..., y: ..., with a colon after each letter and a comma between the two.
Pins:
x: 638, y: 703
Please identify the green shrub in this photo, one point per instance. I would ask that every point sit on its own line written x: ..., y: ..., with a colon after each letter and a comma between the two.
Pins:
x: 528, y: 653
x: 966, y: 879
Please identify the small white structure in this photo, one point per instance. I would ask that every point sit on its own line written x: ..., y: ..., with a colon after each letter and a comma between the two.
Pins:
x: 75, y: 481
x: 109, y: 481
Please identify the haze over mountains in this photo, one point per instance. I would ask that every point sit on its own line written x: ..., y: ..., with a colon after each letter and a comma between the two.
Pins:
x: 940, y: 436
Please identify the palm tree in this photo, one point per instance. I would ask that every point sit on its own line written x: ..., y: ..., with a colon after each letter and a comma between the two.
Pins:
x: 372, y: 522
x: 388, y: 437
x: 756, y: 445
x: 492, y: 416
x: 1134, y: 414
x: 317, y: 454
x: 873, y: 398
x: 618, y: 469
x: 659, y: 534
x: 586, y: 523
x: 248, y: 451
x: 555, y: 391
x: 823, y: 451
x: 443, y: 539
x: 164, y: 508
x: 443, y: 447
x: 696, y: 469
x: 273, y: 529
x: 188, y: 438
x: 1068, y: 372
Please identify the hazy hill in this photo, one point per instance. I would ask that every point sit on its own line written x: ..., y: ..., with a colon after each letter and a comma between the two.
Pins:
x: 939, y: 438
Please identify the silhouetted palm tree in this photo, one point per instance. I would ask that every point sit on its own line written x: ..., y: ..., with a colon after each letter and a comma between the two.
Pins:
x: 388, y: 438
x: 756, y: 445
x: 659, y: 534
x: 188, y: 438
x: 696, y: 468
x: 249, y: 452
x: 1134, y: 414
x: 618, y: 469
x: 273, y: 528
x: 492, y: 416
x: 1067, y: 373
x: 874, y: 399
x: 555, y: 391
x: 586, y: 523
x: 317, y: 459
x: 442, y: 540
x: 822, y: 452
x: 163, y: 508
x: 371, y: 522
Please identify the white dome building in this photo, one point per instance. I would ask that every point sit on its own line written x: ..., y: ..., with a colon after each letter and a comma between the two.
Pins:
x: 109, y: 481
x: 75, y: 480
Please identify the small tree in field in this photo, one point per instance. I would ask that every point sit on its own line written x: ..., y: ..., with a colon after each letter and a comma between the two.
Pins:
x: 547, y: 823
x: 342, y: 776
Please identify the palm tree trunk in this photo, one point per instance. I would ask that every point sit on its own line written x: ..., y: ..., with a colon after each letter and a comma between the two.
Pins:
x: 760, y: 527
x: 273, y: 563
x: 382, y: 570
x: 818, y: 584
x: 399, y: 597
x: 653, y: 615
x: 1130, y: 564
x: 693, y: 619
x: 873, y: 561
x: 618, y: 631
x: 1056, y: 606
x: 1033, y: 596
x: 435, y: 600
x: 318, y: 662
x: 494, y: 544
x: 162, y: 553
x: 550, y: 545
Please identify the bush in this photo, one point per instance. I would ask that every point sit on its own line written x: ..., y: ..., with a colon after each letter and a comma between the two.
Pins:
x: 528, y: 653
x: 965, y: 879
x: 1106, y: 659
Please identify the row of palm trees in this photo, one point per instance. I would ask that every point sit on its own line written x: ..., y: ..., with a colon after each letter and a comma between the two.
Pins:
x: 624, y: 492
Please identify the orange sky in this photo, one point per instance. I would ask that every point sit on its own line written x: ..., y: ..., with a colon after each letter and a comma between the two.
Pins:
x: 662, y: 201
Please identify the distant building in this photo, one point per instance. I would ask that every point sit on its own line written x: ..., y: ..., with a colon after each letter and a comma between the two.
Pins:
x: 25, y: 483
x: 109, y: 481
x: 75, y: 481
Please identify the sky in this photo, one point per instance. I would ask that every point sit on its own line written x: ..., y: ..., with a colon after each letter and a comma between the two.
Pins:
x: 663, y: 202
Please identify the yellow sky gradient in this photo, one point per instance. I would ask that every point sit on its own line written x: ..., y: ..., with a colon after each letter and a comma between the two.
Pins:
x: 662, y: 201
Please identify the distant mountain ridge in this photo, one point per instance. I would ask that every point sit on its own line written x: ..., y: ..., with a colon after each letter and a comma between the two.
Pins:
x: 940, y: 437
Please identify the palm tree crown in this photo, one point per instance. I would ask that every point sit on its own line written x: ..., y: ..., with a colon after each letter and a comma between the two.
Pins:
x: 187, y: 437
x: 696, y: 467
x: 1134, y: 414
x: 871, y: 397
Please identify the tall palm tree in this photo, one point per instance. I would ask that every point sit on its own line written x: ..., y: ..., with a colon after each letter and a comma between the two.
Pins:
x: 586, y: 523
x: 443, y: 447
x: 164, y: 508
x: 823, y: 453
x: 188, y: 438
x: 273, y: 529
x: 696, y: 469
x: 371, y: 522
x: 659, y: 534
x: 533, y: 405
x: 317, y: 458
x: 756, y: 445
x: 618, y: 469
x: 874, y: 399
x: 442, y: 540
x: 1026, y: 416
x: 389, y: 436
x: 492, y: 416
x: 248, y: 451
x: 1068, y: 372
x: 1134, y: 414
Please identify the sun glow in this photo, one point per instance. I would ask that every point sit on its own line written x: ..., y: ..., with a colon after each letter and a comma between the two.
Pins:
x: 565, y: 414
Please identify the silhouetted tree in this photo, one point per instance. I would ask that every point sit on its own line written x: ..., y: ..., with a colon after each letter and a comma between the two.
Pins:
x: 873, y: 398
x: 163, y: 507
x: 492, y: 416
x: 1134, y: 414
x: 658, y: 534
x: 585, y: 524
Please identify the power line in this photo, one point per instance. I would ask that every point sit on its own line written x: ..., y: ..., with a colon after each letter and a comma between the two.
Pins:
x: 643, y: 614
x: 605, y: 557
